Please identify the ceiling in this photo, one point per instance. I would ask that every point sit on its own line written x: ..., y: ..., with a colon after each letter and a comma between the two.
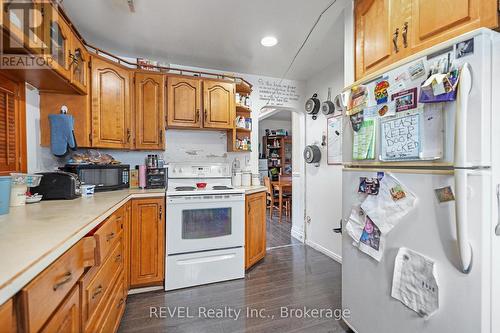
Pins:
x: 216, y: 34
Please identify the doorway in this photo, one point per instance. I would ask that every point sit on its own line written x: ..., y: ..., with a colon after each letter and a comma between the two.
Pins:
x: 281, y: 169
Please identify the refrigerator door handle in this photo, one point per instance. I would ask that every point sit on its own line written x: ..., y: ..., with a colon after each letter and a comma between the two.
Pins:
x: 464, y: 246
x: 497, y: 228
x: 464, y: 89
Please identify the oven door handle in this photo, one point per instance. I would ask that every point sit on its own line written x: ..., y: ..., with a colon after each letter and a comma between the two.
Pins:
x: 206, y: 259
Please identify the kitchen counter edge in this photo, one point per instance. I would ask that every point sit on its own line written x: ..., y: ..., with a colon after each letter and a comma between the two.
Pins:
x: 13, y: 284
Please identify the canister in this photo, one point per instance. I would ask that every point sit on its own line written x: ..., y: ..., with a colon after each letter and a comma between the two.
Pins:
x: 246, y: 178
x: 236, y: 179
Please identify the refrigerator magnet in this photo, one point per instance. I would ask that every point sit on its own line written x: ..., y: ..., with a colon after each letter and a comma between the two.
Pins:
x: 405, y: 100
x: 381, y: 93
x: 444, y: 194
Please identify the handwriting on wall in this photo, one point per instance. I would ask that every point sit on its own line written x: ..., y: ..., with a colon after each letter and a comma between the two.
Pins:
x: 400, y: 138
x: 276, y: 92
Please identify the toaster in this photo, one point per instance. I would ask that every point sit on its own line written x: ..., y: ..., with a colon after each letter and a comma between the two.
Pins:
x: 58, y: 185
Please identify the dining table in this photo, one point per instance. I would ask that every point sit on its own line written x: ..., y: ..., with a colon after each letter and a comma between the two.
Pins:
x: 282, y: 186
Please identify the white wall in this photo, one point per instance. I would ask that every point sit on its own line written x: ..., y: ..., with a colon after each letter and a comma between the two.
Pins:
x: 324, y: 183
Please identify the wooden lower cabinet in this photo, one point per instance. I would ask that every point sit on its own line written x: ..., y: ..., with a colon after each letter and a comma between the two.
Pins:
x: 66, y: 319
x: 8, y: 317
x: 85, y: 289
x: 255, y: 228
x: 147, y: 242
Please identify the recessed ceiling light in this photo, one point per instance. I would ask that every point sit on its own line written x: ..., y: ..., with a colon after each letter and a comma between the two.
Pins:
x: 269, y: 41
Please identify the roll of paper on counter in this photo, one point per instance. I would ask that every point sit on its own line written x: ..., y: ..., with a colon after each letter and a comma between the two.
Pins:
x: 142, y: 176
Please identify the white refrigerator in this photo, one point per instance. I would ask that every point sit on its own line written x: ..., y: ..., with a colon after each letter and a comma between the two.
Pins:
x: 459, y: 236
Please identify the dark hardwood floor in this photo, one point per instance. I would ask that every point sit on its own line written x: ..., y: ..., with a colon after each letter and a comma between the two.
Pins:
x: 279, y: 234
x: 291, y: 277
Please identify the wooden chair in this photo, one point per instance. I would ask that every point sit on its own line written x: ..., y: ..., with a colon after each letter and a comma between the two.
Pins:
x: 272, y: 197
x: 287, y: 197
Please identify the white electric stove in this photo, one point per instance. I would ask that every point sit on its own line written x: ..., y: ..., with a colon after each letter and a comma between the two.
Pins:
x: 205, y: 227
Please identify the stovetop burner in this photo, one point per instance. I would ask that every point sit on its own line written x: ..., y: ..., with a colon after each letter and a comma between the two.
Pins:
x: 221, y: 187
x: 185, y: 188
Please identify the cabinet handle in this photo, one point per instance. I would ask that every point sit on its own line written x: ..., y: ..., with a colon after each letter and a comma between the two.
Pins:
x: 405, y: 35
x: 110, y: 236
x: 395, y: 40
x: 97, y: 291
x: 118, y: 258
x: 67, y: 277
x: 120, y: 303
x: 197, y: 117
x: 161, y: 135
x: 161, y: 212
x: 206, y: 115
x: 128, y: 135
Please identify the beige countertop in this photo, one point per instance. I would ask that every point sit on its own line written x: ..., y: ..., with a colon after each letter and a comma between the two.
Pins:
x: 35, y: 235
x: 253, y: 189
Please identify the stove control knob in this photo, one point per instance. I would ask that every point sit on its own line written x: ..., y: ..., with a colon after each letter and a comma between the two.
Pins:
x: 180, y: 170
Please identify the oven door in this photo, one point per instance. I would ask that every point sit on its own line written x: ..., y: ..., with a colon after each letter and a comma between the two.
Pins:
x: 205, y: 222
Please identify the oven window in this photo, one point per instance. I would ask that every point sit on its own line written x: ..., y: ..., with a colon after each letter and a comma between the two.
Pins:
x: 206, y: 223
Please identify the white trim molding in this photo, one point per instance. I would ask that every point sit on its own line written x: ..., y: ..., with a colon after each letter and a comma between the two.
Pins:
x: 325, y: 251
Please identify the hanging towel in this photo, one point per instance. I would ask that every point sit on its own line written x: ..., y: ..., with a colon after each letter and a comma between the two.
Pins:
x: 62, y: 136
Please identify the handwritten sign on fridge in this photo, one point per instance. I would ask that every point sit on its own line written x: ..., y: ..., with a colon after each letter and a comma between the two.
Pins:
x: 400, y: 137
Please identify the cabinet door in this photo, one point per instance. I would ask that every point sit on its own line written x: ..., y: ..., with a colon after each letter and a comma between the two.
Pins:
x: 126, y: 245
x: 433, y: 22
x: 218, y: 101
x: 79, y: 65
x: 149, y: 111
x: 66, y: 319
x: 255, y: 228
x: 147, y: 242
x: 110, y: 105
x: 57, y: 35
x: 12, y: 127
x: 7, y: 317
x: 373, y: 46
x: 184, y: 102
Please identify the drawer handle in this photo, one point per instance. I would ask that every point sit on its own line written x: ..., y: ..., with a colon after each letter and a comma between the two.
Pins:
x: 67, y: 277
x: 120, y: 303
x: 110, y: 236
x: 118, y: 258
x: 97, y: 291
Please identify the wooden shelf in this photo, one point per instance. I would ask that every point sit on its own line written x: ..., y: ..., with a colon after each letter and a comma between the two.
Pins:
x: 241, y: 129
x: 243, y: 87
x: 242, y: 108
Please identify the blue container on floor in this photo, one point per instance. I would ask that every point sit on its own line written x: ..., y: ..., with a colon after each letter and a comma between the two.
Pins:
x: 5, y: 182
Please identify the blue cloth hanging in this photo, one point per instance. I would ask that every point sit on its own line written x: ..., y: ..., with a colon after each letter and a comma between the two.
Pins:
x: 62, y: 136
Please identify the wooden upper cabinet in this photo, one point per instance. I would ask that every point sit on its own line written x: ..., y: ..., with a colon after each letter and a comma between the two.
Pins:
x: 433, y: 22
x: 147, y: 245
x: 184, y: 102
x: 255, y: 228
x: 79, y: 58
x: 12, y: 127
x: 389, y: 30
x: 111, y: 118
x: 374, y: 46
x: 219, y: 105
x: 57, y: 35
x: 149, y: 111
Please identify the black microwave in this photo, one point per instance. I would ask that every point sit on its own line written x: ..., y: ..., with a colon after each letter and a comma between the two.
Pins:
x: 106, y: 177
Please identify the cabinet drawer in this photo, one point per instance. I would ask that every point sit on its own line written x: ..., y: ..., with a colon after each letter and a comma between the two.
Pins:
x: 44, y: 294
x: 67, y: 317
x: 98, y: 288
x: 114, y: 311
x: 106, y: 236
x: 7, y: 318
